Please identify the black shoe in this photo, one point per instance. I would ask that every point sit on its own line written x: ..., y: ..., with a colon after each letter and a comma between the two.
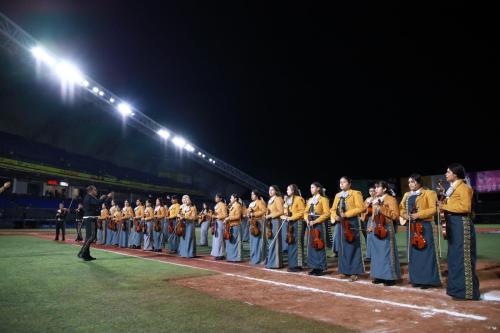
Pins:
x: 219, y: 258
x: 389, y: 283
x: 79, y: 255
x: 377, y: 281
x: 88, y: 258
x: 425, y: 286
x: 313, y: 272
x: 56, y: 239
x: 414, y: 285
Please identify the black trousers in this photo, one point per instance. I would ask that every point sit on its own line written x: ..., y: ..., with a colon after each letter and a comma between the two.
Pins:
x: 60, y: 226
x: 79, y: 229
x: 90, y: 235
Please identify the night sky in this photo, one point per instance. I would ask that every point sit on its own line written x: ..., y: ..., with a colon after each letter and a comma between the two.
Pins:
x: 294, y: 93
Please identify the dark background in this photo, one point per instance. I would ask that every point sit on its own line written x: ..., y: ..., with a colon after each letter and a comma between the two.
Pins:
x: 288, y: 93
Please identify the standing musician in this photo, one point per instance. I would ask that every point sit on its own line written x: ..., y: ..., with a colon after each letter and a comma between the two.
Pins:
x: 294, y: 215
x: 116, y: 225
x: 204, y: 221
x: 91, y: 207
x: 417, y: 210
x: 110, y: 225
x: 127, y: 215
x: 61, y: 221
x: 79, y: 222
x: 384, y: 261
x: 101, y: 225
x: 148, y: 226
x: 159, y: 215
x: 461, y: 235
x: 186, y: 228
x: 255, y: 213
x: 346, y: 209
x: 245, y: 231
x: 220, y: 214
x: 275, y: 209
x: 173, y: 213
x: 232, y: 230
x: 316, y: 213
x: 136, y: 227
x: 366, y: 217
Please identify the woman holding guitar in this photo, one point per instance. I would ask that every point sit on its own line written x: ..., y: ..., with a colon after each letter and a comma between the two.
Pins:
x: 461, y: 235
x: 417, y: 210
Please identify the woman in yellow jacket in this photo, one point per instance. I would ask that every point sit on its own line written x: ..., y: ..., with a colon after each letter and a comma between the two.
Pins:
x: 159, y: 215
x: 219, y: 215
x: 136, y: 229
x: 274, y: 211
x: 256, y: 212
x: 234, y: 244
x: 148, y: 232
x: 173, y: 214
x: 417, y: 210
x: 294, y: 216
x: 316, y: 213
x: 461, y: 235
x: 347, y: 207
x: 101, y: 225
x: 188, y: 217
x: 384, y: 262
x: 127, y: 215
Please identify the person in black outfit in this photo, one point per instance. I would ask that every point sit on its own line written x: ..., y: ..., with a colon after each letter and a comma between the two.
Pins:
x: 61, y: 221
x: 79, y: 222
x: 92, y: 208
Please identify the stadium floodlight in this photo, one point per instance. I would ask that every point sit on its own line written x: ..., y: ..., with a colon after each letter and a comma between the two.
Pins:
x: 125, y: 109
x: 85, y: 83
x: 101, y: 93
x: 163, y: 133
x: 111, y: 100
x: 199, y: 153
x: 179, y: 142
x: 68, y: 72
x: 95, y: 90
x: 213, y: 161
x: 210, y: 160
x: 203, y: 155
x: 189, y: 148
x: 40, y: 54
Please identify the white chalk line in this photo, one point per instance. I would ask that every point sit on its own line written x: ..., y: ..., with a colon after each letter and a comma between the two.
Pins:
x: 316, y: 290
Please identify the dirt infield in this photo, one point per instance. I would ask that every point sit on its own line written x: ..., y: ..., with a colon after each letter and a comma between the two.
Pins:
x: 357, y: 305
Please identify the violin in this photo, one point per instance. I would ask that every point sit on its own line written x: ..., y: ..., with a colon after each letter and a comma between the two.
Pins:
x: 442, y: 213
x: 348, y: 234
x: 290, y: 239
x: 227, y: 231
x: 112, y: 224
x: 137, y: 224
x: 417, y: 232
x: 380, y: 231
x: 317, y: 242
x: 157, y: 226
x: 144, y: 227
x: 254, y: 229
x: 99, y: 224
x: 180, y: 229
x: 369, y: 212
x: 269, y: 227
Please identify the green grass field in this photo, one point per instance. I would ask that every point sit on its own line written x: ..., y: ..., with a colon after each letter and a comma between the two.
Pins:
x: 44, y: 287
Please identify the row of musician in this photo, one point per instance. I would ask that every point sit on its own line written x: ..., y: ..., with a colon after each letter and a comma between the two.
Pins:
x: 292, y: 225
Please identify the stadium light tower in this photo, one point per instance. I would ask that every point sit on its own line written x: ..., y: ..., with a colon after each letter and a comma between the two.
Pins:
x: 19, y: 41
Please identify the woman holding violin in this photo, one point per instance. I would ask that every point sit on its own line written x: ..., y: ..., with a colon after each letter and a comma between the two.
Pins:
x: 255, y: 214
x: 384, y: 257
x: 159, y: 216
x: 173, y: 214
x: 346, y: 209
x: 148, y: 226
x: 417, y: 210
x: 294, y: 215
x: 245, y: 230
x: 461, y: 235
x: 111, y: 225
x: 126, y: 221
x: 366, y: 218
x: 232, y: 230
x: 136, y: 228
x: 187, y: 220
x: 317, y: 211
x: 275, y: 208
x: 204, y: 221
x: 101, y: 225
x: 220, y: 213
